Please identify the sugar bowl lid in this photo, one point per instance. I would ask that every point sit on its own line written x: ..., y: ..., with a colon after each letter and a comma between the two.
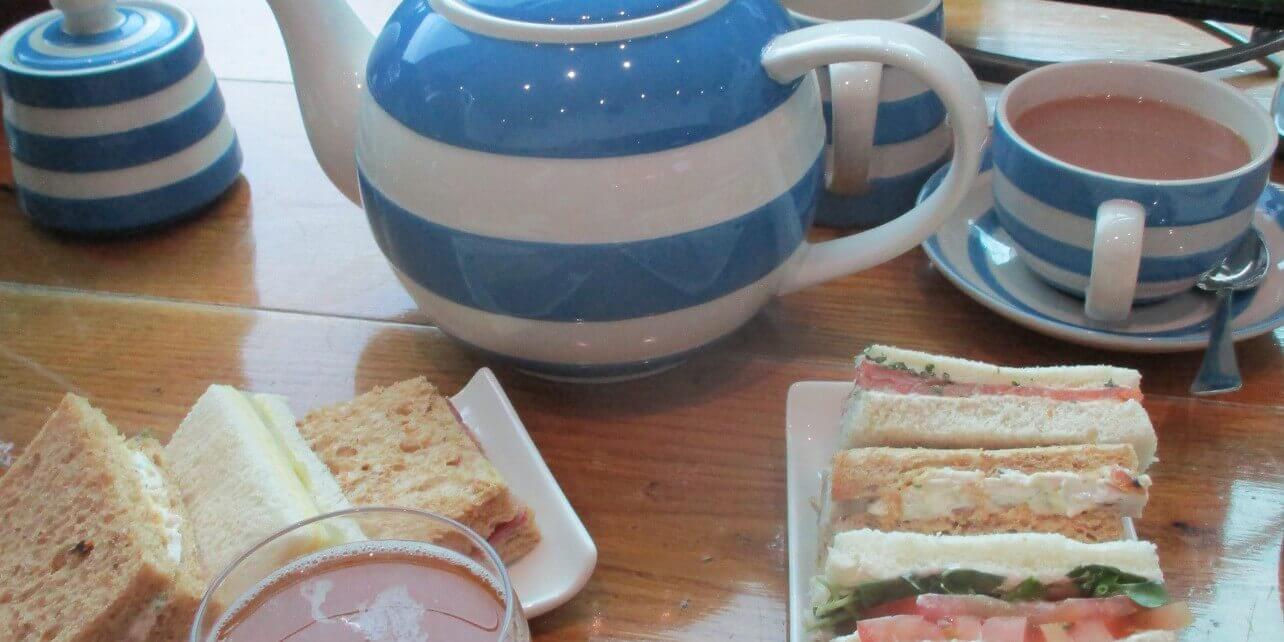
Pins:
x: 82, y: 37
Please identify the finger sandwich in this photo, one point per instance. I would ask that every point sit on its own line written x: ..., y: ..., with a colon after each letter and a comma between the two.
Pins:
x: 404, y: 445
x: 907, y: 398
x: 1082, y: 492
x: 245, y: 473
x: 97, y: 542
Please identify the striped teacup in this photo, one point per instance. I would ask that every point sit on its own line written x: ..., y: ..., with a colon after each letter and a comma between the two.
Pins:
x: 1113, y: 240
x: 894, y: 134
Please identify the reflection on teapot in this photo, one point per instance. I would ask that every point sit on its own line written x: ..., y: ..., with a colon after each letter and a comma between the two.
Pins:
x: 595, y: 189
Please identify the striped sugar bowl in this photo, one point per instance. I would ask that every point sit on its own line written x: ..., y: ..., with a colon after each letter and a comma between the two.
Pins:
x: 114, y: 120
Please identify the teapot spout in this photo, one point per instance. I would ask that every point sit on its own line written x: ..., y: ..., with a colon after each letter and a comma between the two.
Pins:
x: 328, y: 46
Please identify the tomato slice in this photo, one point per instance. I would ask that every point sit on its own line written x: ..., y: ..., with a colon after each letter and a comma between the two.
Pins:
x: 1075, y: 609
x: 1090, y: 631
x: 899, y: 628
x: 1055, y: 633
x: 903, y: 606
x: 961, y: 627
x: 1169, y: 617
x: 936, y: 607
x: 1004, y: 629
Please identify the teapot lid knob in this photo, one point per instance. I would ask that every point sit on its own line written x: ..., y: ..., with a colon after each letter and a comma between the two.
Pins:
x: 81, y: 17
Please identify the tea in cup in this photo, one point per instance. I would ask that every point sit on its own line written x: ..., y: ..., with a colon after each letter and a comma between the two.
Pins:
x: 1122, y: 182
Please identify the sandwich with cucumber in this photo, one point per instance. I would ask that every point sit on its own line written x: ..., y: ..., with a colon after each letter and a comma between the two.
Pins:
x: 907, y: 398
x: 1081, y: 491
x: 246, y: 473
x: 1030, y: 587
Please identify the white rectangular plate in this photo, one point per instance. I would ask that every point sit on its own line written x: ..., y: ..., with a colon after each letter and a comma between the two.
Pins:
x: 562, y: 562
x: 813, y: 417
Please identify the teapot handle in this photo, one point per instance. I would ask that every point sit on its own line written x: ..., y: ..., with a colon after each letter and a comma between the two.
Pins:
x: 798, y: 52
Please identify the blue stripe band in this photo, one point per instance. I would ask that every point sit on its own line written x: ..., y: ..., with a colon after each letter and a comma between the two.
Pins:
x: 898, y: 121
x: 577, y: 101
x: 120, y: 150
x: 987, y: 226
x: 54, y: 35
x: 593, y: 282
x: 1079, y: 260
x: 887, y: 198
x: 908, y: 118
x: 1080, y: 194
x: 933, y: 23
x: 136, y: 210
x: 133, y: 80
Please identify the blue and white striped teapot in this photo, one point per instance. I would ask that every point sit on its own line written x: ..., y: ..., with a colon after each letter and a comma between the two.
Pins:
x: 114, y: 120
x: 593, y: 189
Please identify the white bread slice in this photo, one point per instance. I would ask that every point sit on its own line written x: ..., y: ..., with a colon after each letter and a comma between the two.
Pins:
x: 314, y: 474
x: 968, y: 371
x: 874, y: 418
x: 86, y: 551
x: 243, y: 478
x: 863, y: 555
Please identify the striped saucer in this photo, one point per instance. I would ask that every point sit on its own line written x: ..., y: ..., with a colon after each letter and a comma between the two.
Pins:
x: 118, y: 128
x: 979, y: 257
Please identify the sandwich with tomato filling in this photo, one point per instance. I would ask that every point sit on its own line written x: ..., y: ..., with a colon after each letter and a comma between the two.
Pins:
x: 909, y: 398
x: 1082, y: 492
x: 1030, y: 587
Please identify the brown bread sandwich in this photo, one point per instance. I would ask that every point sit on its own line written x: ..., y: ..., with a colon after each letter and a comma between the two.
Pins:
x: 404, y: 445
x: 95, y: 542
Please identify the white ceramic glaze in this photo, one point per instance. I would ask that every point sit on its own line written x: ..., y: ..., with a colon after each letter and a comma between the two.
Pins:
x: 625, y: 187
x: 975, y: 254
x: 114, y: 120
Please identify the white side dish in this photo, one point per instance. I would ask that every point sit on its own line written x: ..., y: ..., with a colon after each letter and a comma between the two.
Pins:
x: 561, y: 564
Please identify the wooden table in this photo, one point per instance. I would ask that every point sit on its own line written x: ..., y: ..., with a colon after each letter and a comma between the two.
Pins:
x: 680, y: 477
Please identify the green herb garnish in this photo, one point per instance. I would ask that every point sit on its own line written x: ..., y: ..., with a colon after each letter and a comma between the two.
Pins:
x: 1105, y: 581
x: 845, y: 605
x: 1110, y: 383
x: 1030, y: 589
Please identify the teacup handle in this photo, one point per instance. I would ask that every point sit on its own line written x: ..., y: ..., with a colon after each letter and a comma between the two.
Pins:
x: 853, y: 92
x: 1116, y: 260
x: 798, y: 52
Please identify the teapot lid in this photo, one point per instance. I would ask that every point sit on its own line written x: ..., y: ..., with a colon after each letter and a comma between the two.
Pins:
x: 566, y: 12
x: 82, y: 37
x: 574, y: 21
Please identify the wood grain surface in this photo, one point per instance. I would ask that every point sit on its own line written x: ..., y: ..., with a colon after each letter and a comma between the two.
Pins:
x: 680, y: 477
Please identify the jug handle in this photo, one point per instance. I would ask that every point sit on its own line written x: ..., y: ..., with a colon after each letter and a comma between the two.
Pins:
x: 793, y: 54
